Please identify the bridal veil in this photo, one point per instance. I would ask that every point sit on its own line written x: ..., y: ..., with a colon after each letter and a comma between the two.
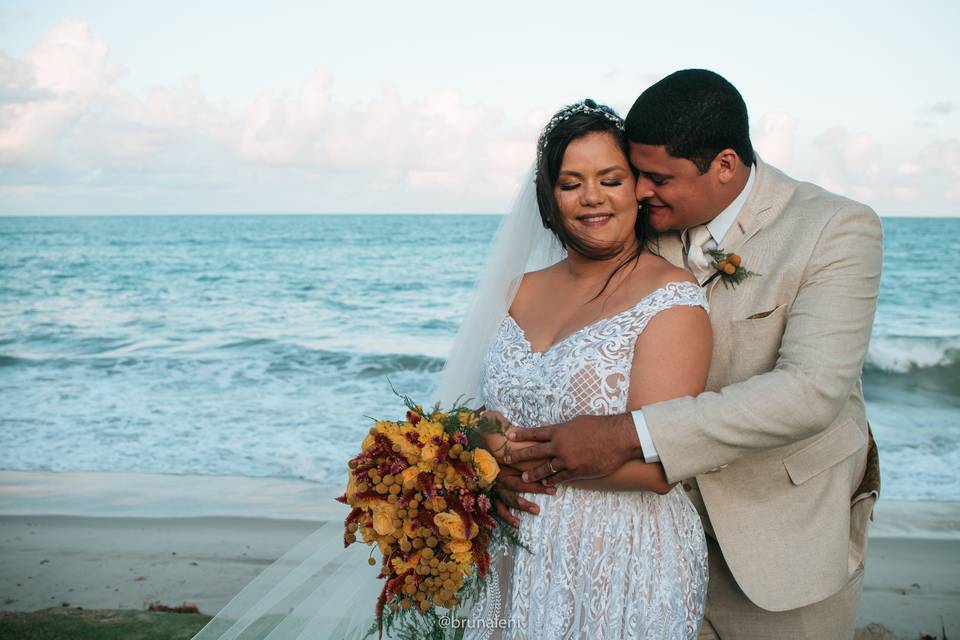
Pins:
x: 318, y: 589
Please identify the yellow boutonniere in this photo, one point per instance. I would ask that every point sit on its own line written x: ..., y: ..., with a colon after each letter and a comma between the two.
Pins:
x: 729, y: 268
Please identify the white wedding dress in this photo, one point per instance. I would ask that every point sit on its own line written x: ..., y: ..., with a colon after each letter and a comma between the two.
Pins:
x: 604, y: 564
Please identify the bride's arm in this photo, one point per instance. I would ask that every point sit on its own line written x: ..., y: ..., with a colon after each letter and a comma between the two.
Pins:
x: 671, y: 359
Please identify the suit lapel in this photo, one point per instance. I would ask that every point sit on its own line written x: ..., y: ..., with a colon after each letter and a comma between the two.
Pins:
x: 752, y: 216
x: 769, y: 196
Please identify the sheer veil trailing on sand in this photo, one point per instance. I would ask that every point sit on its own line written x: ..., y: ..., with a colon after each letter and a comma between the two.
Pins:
x: 318, y: 589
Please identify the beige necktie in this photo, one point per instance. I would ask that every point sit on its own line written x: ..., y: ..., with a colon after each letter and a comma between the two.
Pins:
x: 699, y: 241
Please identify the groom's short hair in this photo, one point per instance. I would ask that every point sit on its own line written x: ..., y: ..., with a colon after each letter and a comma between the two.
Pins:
x: 695, y: 114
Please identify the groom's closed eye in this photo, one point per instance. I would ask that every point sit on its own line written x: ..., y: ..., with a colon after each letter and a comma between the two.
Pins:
x: 656, y: 178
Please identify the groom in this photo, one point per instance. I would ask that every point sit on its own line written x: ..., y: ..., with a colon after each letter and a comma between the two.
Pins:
x: 774, y: 454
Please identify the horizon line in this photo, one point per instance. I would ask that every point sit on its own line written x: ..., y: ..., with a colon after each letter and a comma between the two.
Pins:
x: 329, y: 213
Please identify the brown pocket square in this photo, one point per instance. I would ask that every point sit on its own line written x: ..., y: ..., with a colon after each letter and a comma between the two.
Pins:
x: 762, y: 314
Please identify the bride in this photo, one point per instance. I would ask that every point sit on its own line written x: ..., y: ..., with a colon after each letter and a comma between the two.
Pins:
x: 605, y: 330
x: 604, y: 327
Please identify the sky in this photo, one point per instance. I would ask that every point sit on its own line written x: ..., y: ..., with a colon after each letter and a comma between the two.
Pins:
x: 435, y: 107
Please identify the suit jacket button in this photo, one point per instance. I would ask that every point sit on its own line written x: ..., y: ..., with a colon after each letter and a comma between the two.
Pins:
x: 687, y: 487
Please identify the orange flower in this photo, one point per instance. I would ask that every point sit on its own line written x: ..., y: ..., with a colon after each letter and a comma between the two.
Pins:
x: 459, y: 546
x: 454, y: 524
x: 383, y: 519
x: 487, y: 466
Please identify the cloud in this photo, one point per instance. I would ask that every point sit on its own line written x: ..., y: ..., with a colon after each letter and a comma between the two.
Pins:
x: 74, y: 138
x: 904, y: 194
x: 941, y: 160
x: 72, y: 115
x: 55, y: 85
x: 934, y: 171
x: 944, y: 108
x: 436, y: 147
x: 17, y: 84
x: 909, y: 169
x: 848, y: 162
x: 278, y: 130
x: 774, y: 138
x: 926, y: 183
x: 65, y: 114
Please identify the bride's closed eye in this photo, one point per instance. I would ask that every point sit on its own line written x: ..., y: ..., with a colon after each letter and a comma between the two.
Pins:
x: 606, y: 183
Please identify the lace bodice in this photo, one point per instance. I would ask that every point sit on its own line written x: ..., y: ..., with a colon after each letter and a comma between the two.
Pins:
x: 587, y: 372
x: 604, y: 564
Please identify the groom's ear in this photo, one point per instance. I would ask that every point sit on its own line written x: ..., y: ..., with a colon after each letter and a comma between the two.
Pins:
x: 727, y: 164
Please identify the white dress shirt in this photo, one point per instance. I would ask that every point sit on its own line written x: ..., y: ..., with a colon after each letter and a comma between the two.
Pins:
x: 718, y: 228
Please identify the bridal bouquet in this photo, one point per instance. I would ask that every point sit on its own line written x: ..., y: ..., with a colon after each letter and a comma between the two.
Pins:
x: 420, y: 492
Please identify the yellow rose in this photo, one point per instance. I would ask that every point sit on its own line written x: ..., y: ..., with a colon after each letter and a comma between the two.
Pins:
x: 429, y: 452
x: 486, y: 465
x: 407, y: 448
x: 459, y: 546
x: 454, y: 523
x: 429, y: 429
x: 383, y: 520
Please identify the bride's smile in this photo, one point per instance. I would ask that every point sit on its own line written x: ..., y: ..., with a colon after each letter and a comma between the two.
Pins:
x: 595, y: 219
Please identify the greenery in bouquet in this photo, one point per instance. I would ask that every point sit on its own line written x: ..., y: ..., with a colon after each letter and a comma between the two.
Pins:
x: 421, y: 493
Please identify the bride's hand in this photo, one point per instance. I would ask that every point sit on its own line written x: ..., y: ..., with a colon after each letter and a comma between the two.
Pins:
x: 509, y: 483
x: 502, y: 448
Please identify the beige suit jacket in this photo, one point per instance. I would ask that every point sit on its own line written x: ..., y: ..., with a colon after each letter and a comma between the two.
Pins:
x: 778, y: 441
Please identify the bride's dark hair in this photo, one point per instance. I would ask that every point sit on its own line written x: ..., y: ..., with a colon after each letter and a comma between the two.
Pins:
x: 568, y: 124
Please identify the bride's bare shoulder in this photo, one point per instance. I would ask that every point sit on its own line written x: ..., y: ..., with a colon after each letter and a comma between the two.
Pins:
x: 534, y: 283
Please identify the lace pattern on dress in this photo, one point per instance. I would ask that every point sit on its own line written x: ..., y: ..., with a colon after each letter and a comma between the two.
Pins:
x: 605, y: 564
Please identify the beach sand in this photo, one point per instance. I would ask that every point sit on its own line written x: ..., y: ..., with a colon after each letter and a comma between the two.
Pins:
x: 87, y: 540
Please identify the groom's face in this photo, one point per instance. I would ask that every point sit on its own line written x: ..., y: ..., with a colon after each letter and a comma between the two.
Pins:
x: 677, y: 195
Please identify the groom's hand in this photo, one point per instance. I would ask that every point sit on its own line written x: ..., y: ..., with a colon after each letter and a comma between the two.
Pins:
x: 585, y: 447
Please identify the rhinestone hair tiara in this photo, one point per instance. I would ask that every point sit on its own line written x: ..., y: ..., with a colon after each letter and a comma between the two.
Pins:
x: 585, y: 106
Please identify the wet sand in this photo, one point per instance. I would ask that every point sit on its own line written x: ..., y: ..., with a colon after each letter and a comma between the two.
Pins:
x: 97, y: 551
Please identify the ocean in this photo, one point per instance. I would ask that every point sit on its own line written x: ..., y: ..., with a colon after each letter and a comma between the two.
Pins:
x: 259, y: 345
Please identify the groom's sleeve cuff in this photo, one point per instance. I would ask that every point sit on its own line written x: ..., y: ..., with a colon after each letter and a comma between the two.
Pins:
x: 646, y: 442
